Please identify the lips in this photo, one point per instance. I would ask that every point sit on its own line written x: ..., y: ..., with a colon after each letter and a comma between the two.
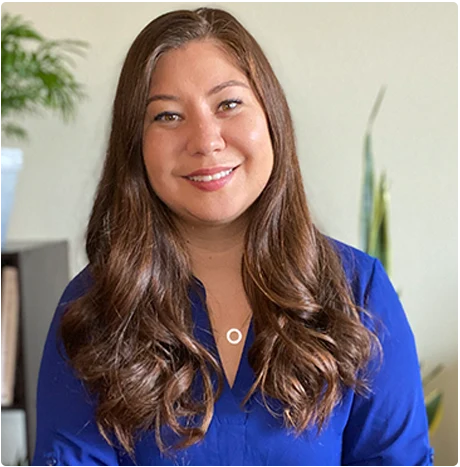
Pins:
x: 211, y: 181
x: 211, y: 170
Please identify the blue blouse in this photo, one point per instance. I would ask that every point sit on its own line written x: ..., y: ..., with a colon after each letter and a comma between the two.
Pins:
x: 389, y: 427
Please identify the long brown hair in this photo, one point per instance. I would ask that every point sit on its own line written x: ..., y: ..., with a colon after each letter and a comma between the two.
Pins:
x: 130, y: 336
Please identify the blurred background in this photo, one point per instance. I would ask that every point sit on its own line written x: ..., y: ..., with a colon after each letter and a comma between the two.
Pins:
x: 332, y: 59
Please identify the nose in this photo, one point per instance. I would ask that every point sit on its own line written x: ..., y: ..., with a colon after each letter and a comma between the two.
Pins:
x: 205, y: 136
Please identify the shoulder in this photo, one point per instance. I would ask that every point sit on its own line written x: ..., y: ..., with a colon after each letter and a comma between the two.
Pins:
x: 359, y: 267
x: 77, y: 287
x: 67, y: 431
x: 387, y: 426
x: 374, y: 291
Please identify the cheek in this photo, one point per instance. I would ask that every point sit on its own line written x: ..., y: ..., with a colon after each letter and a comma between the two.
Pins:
x: 253, y: 137
x: 150, y: 160
x: 260, y: 140
x: 158, y: 156
x: 262, y: 150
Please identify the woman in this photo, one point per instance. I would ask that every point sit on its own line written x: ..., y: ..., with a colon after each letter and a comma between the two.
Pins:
x: 214, y: 324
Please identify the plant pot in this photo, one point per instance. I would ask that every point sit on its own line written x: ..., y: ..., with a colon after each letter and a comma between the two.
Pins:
x: 11, y: 164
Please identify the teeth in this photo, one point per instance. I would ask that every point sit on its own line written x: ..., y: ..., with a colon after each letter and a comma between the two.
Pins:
x: 208, y: 178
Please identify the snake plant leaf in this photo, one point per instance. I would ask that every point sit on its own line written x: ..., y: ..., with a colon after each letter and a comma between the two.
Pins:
x: 376, y: 222
x: 367, y: 197
x: 379, y: 241
x: 384, y: 238
x: 368, y: 192
x: 434, y: 405
x: 375, y: 240
x: 432, y: 374
x: 376, y: 107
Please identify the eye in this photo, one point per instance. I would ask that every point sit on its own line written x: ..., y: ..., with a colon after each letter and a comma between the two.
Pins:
x: 167, y: 117
x: 230, y: 104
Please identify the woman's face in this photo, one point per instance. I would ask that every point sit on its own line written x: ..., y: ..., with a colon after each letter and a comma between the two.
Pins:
x: 203, y: 117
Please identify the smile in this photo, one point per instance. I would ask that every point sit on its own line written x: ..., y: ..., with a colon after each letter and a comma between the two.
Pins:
x: 212, y: 182
x: 209, y: 178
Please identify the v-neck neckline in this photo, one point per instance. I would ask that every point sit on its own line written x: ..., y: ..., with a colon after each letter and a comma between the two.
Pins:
x: 232, y: 396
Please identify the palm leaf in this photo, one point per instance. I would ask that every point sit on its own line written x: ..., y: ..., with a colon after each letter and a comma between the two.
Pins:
x: 14, y: 27
x: 13, y: 131
x: 36, y: 73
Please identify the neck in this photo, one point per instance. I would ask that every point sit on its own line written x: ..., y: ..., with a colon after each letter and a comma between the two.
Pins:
x: 215, y: 249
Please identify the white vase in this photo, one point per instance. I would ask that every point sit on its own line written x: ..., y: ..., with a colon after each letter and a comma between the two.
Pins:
x: 11, y: 163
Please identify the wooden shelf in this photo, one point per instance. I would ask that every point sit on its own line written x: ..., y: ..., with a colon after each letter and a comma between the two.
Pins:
x: 43, y: 271
x: 13, y: 407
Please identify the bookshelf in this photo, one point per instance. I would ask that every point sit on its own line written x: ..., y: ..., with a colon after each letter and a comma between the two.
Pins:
x: 43, y: 274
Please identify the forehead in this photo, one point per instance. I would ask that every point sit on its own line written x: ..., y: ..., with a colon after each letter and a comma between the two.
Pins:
x: 197, y: 63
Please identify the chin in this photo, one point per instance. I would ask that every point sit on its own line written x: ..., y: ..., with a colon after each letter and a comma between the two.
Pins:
x: 215, y: 219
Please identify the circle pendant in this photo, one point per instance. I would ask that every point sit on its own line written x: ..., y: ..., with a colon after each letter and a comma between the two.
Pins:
x: 238, y: 339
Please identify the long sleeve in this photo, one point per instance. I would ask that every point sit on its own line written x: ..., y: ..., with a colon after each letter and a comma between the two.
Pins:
x: 389, y: 427
x: 66, y: 429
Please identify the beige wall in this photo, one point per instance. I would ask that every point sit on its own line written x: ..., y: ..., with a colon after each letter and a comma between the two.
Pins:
x: 332, y: 59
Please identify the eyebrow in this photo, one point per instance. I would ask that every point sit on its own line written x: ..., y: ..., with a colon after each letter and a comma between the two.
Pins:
x: 214, y: 90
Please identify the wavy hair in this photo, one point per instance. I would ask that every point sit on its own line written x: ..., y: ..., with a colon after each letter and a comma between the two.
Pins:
x: 129, y: 337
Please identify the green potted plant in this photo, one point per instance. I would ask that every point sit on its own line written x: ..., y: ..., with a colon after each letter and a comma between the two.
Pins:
x: 375, y: 240
x: 374, y: 215
x: 36, y: 76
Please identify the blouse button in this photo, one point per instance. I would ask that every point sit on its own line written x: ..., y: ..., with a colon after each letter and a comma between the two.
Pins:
x: 51, y: 461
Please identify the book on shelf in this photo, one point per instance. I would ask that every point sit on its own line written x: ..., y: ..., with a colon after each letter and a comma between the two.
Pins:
x: 10, y: 324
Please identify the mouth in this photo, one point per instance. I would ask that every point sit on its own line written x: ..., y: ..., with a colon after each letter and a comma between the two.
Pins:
x: 211, y: 178
x: 212, y: 182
